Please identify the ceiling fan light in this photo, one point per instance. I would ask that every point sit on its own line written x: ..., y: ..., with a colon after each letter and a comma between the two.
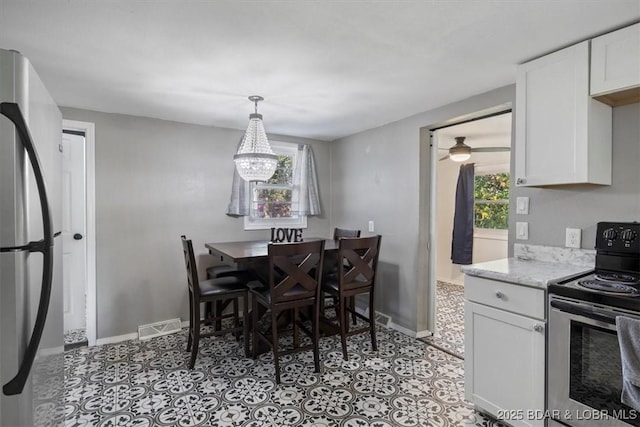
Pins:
x: 459, y: 157
x: 461, y: 151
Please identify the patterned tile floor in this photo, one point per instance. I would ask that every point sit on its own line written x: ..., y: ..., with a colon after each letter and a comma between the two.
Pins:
x: 75, y: 338
x: 405, y: 383
x: 450, y: 319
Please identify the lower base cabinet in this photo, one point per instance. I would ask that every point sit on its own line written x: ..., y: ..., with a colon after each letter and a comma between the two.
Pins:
x: 505, y: 364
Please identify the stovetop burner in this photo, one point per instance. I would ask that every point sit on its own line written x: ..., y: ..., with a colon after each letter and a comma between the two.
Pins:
x: 606, y: 276
x: 608, y: 287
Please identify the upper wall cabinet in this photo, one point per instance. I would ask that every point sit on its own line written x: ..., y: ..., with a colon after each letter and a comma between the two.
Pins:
x: 563, y: 136
x: 615, y: 66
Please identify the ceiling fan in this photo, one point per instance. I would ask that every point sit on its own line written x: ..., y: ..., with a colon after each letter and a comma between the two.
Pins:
x: 461, y: 151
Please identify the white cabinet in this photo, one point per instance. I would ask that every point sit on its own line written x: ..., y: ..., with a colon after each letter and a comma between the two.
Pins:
x: 563, y: 136
x: 505, y: 351
x: 615, y: 66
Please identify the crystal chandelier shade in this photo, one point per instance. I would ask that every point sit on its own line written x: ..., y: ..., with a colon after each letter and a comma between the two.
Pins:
x: 255, y: 160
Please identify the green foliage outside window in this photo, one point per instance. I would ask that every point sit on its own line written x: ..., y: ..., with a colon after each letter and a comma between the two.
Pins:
x: 491, y: 195
x: 272, y: 202
x: 284, y: 171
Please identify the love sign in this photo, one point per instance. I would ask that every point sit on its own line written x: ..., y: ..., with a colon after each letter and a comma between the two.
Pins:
x: 279, y: 235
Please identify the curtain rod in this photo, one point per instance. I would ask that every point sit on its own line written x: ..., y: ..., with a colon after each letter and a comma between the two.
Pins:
x: 498, y: 113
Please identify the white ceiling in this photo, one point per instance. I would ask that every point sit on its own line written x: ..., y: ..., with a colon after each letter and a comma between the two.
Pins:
x: 327, y: 69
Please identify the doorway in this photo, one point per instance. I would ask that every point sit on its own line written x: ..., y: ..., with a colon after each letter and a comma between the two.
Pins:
x: 78, y: 234
x: 489, y: 139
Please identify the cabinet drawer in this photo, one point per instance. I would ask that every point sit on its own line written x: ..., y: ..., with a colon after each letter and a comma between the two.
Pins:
x: 505, y: 296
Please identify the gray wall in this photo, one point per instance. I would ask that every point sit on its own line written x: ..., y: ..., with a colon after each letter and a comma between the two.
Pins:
x: 553, y: 209
x: 156, y: 180
x: 376, y: 176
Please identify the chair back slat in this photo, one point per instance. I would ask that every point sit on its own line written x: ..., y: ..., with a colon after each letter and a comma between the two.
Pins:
x: 360, y: 258
x: 190, y: 263
x: 343, y: 232
x: 294, y: 270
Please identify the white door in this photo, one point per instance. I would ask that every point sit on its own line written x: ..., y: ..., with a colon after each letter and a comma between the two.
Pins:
x: 74, y: 231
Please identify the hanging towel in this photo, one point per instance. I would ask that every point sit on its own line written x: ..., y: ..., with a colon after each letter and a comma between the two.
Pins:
x: 629, y: 341
x: 462, y: 239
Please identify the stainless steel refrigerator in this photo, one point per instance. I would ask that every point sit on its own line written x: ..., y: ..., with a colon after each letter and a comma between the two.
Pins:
x: 31, y: 313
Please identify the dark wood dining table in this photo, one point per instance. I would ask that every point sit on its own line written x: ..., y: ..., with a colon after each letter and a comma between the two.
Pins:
x: 254, y: 254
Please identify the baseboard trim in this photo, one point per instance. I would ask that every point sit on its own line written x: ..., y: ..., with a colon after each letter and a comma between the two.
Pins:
x: 117, y: 339
x: 185, y: 324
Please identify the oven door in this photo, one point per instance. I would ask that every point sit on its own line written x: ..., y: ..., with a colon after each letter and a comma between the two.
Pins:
x: 584, y: 375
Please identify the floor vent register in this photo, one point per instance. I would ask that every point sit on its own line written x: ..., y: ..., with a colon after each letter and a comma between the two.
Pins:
x: 157, y: 329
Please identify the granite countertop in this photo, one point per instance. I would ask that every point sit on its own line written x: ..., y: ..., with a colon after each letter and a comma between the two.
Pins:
x: 527, y: 272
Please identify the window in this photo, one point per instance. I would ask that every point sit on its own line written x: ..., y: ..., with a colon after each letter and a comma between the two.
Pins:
x: 491, y: 193
x: 275, y: 203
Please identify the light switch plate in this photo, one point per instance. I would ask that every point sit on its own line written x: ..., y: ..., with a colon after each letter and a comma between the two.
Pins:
x: 522, y: 230
x: 371, y: 227
x: 522, y: 205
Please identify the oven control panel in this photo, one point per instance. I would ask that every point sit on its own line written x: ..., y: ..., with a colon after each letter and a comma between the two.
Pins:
x: 618, y: 237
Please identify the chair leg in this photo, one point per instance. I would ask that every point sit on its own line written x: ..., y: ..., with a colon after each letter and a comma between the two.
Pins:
x: 218, y: 314
x: 347, y: 306
x: 274, y: 344
x: 344, y: 322
x: 236, y: 318
x: 316, y: 336
x: 196, y: 335
x: 208, y: 310
x: 191, y: 323
x: 321, y: 303
x: 245, y: 323
x: 372, y: 322
x: 296, y: 330
x: 352, y: 303
x: 254, y: 329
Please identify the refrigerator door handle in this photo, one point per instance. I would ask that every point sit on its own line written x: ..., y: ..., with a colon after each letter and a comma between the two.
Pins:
x: 15, y: 386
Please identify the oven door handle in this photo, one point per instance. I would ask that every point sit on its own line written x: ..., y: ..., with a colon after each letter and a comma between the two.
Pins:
x: 581, y: 311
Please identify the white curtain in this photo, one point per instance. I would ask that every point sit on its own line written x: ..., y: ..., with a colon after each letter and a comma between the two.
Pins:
x: 240, y: 201
x: 304, y: 177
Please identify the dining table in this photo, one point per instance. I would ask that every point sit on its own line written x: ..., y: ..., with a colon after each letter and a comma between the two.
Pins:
x: 254, y: 254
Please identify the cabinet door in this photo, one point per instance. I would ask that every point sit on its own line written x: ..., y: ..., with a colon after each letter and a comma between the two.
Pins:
x: 505, y: 364
x: 563, y: 136
x: 615, y: 61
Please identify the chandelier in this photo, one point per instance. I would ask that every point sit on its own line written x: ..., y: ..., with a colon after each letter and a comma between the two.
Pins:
x: 255, y: 160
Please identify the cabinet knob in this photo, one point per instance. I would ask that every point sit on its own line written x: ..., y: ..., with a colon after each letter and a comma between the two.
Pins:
x: 499, y: 295
x: 538, y: 328
x: 520, y: 181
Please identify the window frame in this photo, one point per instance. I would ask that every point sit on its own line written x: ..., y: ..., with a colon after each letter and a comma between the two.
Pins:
x: 300, y: 221
x: 492, y: 233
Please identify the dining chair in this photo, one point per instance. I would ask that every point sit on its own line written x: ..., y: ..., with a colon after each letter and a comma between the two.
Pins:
x: 232, y: 288
x: 221, y: 305
x: 339, y: 233
x: 359, y: 256
x: 343, y: 232
x: 294, y: 283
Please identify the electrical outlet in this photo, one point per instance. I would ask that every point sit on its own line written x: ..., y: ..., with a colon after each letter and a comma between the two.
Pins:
x: 573, y: 238
x: 371, y: 227
x: 522, y: 230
